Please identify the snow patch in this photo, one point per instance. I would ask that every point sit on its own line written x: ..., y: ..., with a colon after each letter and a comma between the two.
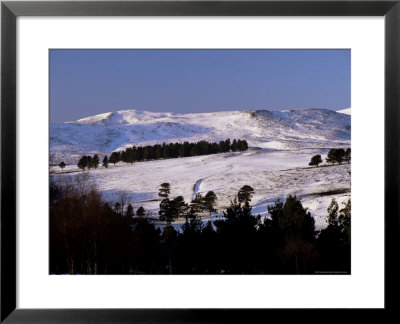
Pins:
x: 346, y: 111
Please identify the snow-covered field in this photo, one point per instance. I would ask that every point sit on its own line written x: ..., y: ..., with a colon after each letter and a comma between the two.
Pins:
x: 276, y: 165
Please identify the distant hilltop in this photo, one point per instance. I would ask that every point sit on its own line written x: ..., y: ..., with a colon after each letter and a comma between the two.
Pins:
x: 288, y: 129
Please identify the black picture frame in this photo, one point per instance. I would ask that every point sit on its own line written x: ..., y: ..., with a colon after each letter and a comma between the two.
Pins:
x: 10, y: 10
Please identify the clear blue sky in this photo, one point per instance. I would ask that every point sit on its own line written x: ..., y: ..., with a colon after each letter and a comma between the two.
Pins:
x: 88, y: 82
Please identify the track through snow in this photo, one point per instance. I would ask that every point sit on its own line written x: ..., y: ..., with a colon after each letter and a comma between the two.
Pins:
x: 196, y: 189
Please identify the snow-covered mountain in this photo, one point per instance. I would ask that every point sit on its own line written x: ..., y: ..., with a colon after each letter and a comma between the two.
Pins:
x: 288, y: 129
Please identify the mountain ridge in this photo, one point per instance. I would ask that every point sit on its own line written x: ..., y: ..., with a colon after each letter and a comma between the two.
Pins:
x: 287, y: 129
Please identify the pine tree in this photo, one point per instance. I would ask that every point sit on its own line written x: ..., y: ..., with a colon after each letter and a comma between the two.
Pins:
x: 333, y: 209
x: 210, y: 198
x: 297, y: 251
x: 244, y: 146
x: 296, y: 220
x: 228, y: 145
x: 89, y: 161
x: 236, y: 233
x: 234, y: 145
x: 105, y: 162
x: 334, y: 240
x: 129, y: 211
x: 114, y: 157
x: 140, y: 211
x: 245, y: 194
x: 197, y: 204
x: 345, y: 216
x: 339, y: 155
x: 165, y: 213
x: 62, y: 165
x: 331, y: 157
x: 164, y: 190
x: 83, y: 162
x: 169, y: 236
x: 117, y: 208
x: 347, y: 156
x: 276, y: 212
x: 345, y: 223
x: 95, y: 161
x: 179, y: 208
x: 315, y: 160
x: 171, y: 210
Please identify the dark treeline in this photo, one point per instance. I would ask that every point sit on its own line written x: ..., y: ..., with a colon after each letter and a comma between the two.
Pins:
x: 339, y: 155
x: 175, y: 150
x: 88, y: 236
x: 334, y: 155
x: 87, y: 161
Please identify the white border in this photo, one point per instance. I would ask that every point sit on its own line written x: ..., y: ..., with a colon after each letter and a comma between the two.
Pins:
x: 363, y: 288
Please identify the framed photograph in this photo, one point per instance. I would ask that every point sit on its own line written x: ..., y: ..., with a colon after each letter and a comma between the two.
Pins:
x: 163, y: 159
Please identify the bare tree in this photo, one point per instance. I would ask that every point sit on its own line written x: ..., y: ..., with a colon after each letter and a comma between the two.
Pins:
x: 123, y: 200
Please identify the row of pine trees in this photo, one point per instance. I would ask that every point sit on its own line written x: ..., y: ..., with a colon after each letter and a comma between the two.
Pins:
x: 334, y: 156
x: 88, y: 236
x: 174, y: 150
x: 162, y: 151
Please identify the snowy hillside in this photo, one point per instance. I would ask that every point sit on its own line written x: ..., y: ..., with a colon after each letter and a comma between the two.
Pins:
x: 272, y: 174
x: 276, y: 165
x: 287, y: 129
